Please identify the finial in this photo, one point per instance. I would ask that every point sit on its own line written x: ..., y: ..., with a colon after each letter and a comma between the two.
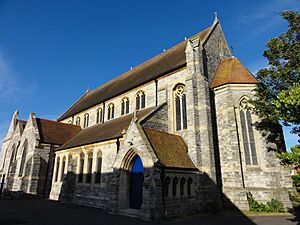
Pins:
x: 131, y: 67
x: 185, y: 38
x: 87, y: 89
x: 216, y: 16
x: 164, y: 50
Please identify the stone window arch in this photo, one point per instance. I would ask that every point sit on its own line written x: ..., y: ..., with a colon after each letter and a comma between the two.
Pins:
x: 247, y: 132
x: 86, y: 120
x: 99, y: 115
x: 182, y: 185
x: 77, y: 121
x: 81, y: 166
x: 124, y: 106
x: 23, y: 158
x: 189, y: 186
x: 167, y: 186
x: 98, y: 168
x: 174, y: 186
x: 110, y: 111
x: 89, y: 168
x: 4, y: 159
x: 12, y: 157
x: 180, y: 107
x: 140, y: 99
x: 57, y: 169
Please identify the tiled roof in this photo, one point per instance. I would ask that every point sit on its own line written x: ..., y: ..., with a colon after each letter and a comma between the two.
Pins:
x: 53, y: 132
x: 170, y: 149
x: 164, y: 63
x: 107, y: 131
x: 232, y: 71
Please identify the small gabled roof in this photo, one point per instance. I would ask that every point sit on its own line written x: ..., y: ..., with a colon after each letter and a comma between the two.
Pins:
x: 170, y: 149
x: 52, y: 132
x: 109, y: 130
x: 232, y: 71
x: 160, y: 65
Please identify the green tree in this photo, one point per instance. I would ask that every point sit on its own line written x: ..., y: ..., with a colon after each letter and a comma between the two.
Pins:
x: 278, y: 90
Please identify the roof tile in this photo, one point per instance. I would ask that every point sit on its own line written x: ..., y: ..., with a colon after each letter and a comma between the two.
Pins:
x: 232, y: 71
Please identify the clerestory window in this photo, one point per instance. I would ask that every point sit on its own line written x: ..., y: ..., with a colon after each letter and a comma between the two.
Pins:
x: 99, y: 115
x: 140, y: 100
x: 110, y: 111
x: 124, y: 106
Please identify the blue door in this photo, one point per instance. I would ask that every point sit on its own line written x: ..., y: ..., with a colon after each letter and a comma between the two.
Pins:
x: 136, y: 183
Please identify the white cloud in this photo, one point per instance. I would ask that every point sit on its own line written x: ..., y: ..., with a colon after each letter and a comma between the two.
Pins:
x: 263, y: 17
x: 11, y: 89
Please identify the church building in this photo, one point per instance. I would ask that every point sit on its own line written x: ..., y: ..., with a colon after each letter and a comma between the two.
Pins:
x: 172, y: 136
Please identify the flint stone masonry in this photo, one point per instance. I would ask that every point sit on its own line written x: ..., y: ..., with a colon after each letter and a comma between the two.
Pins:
x: 215, y: 174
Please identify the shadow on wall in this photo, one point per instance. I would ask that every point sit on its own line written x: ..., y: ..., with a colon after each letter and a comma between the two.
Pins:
x: 207, y: 199
x: 273, y: 134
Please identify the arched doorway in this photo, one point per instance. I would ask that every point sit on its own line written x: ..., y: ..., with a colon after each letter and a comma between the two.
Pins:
x: 136, y: 183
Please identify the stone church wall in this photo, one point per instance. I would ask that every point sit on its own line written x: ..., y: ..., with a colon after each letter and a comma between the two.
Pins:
x: 262, y: 180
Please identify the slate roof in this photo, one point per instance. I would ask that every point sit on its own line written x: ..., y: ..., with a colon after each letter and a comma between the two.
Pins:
x: 170, y: 149
x: 53, y: 132
x: 107, y: 131
x: 232, y: 71
x: 160, y: 65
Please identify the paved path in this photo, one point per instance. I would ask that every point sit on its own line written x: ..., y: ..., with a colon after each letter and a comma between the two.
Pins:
x: 43, y: 212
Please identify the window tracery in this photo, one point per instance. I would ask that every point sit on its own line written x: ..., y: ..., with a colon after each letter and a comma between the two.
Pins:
x: 247, y: 133
x: 180, y: 107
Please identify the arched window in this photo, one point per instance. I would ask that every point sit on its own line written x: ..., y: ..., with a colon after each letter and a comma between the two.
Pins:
x: 57, y: 169
x: 174, y: 186
x: 78, y: 121
x: 182, y: 184
x: 12, y: 157
x: 70, y: 122
x: 81, y: 166
x: 99, y: 166
x: 62, y: 174
x: 247, y: 133
x: 110, y: 111
x: 180, y: 107
x: 24, y: 154
x: 99, y: 115
x: 86, y: 120
x: 4, y: 158
x: 166, y: 187
x: 89, y: 169
x: 140, y: 100
x: 125, y: 106
x: 189, y: 186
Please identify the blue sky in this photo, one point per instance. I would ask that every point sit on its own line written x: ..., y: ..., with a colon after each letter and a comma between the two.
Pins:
x: 50, y: 51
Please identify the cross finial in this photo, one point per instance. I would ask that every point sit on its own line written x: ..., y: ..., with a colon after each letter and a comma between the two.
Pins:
x: 216, y: 16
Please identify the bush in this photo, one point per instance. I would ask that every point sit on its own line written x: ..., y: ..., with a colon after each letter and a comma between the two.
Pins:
x: 272, y: 206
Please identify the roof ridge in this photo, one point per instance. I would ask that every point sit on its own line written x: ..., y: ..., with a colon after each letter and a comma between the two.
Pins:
x: 158, y: 65
x: 153, y: 57
x: 160, y: 131
x: 54, y: 121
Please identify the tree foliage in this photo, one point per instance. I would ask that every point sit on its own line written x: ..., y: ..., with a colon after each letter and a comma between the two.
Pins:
x: 278, y: 90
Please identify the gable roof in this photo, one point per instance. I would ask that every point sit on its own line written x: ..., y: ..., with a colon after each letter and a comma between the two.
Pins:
x: 109, y: 130
x: 232, y: 71
x: 170, y: 149
x: 53, y: 132
x: 160, y: 65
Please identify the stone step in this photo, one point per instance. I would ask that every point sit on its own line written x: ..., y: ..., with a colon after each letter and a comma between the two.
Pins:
x: 131, y: 212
